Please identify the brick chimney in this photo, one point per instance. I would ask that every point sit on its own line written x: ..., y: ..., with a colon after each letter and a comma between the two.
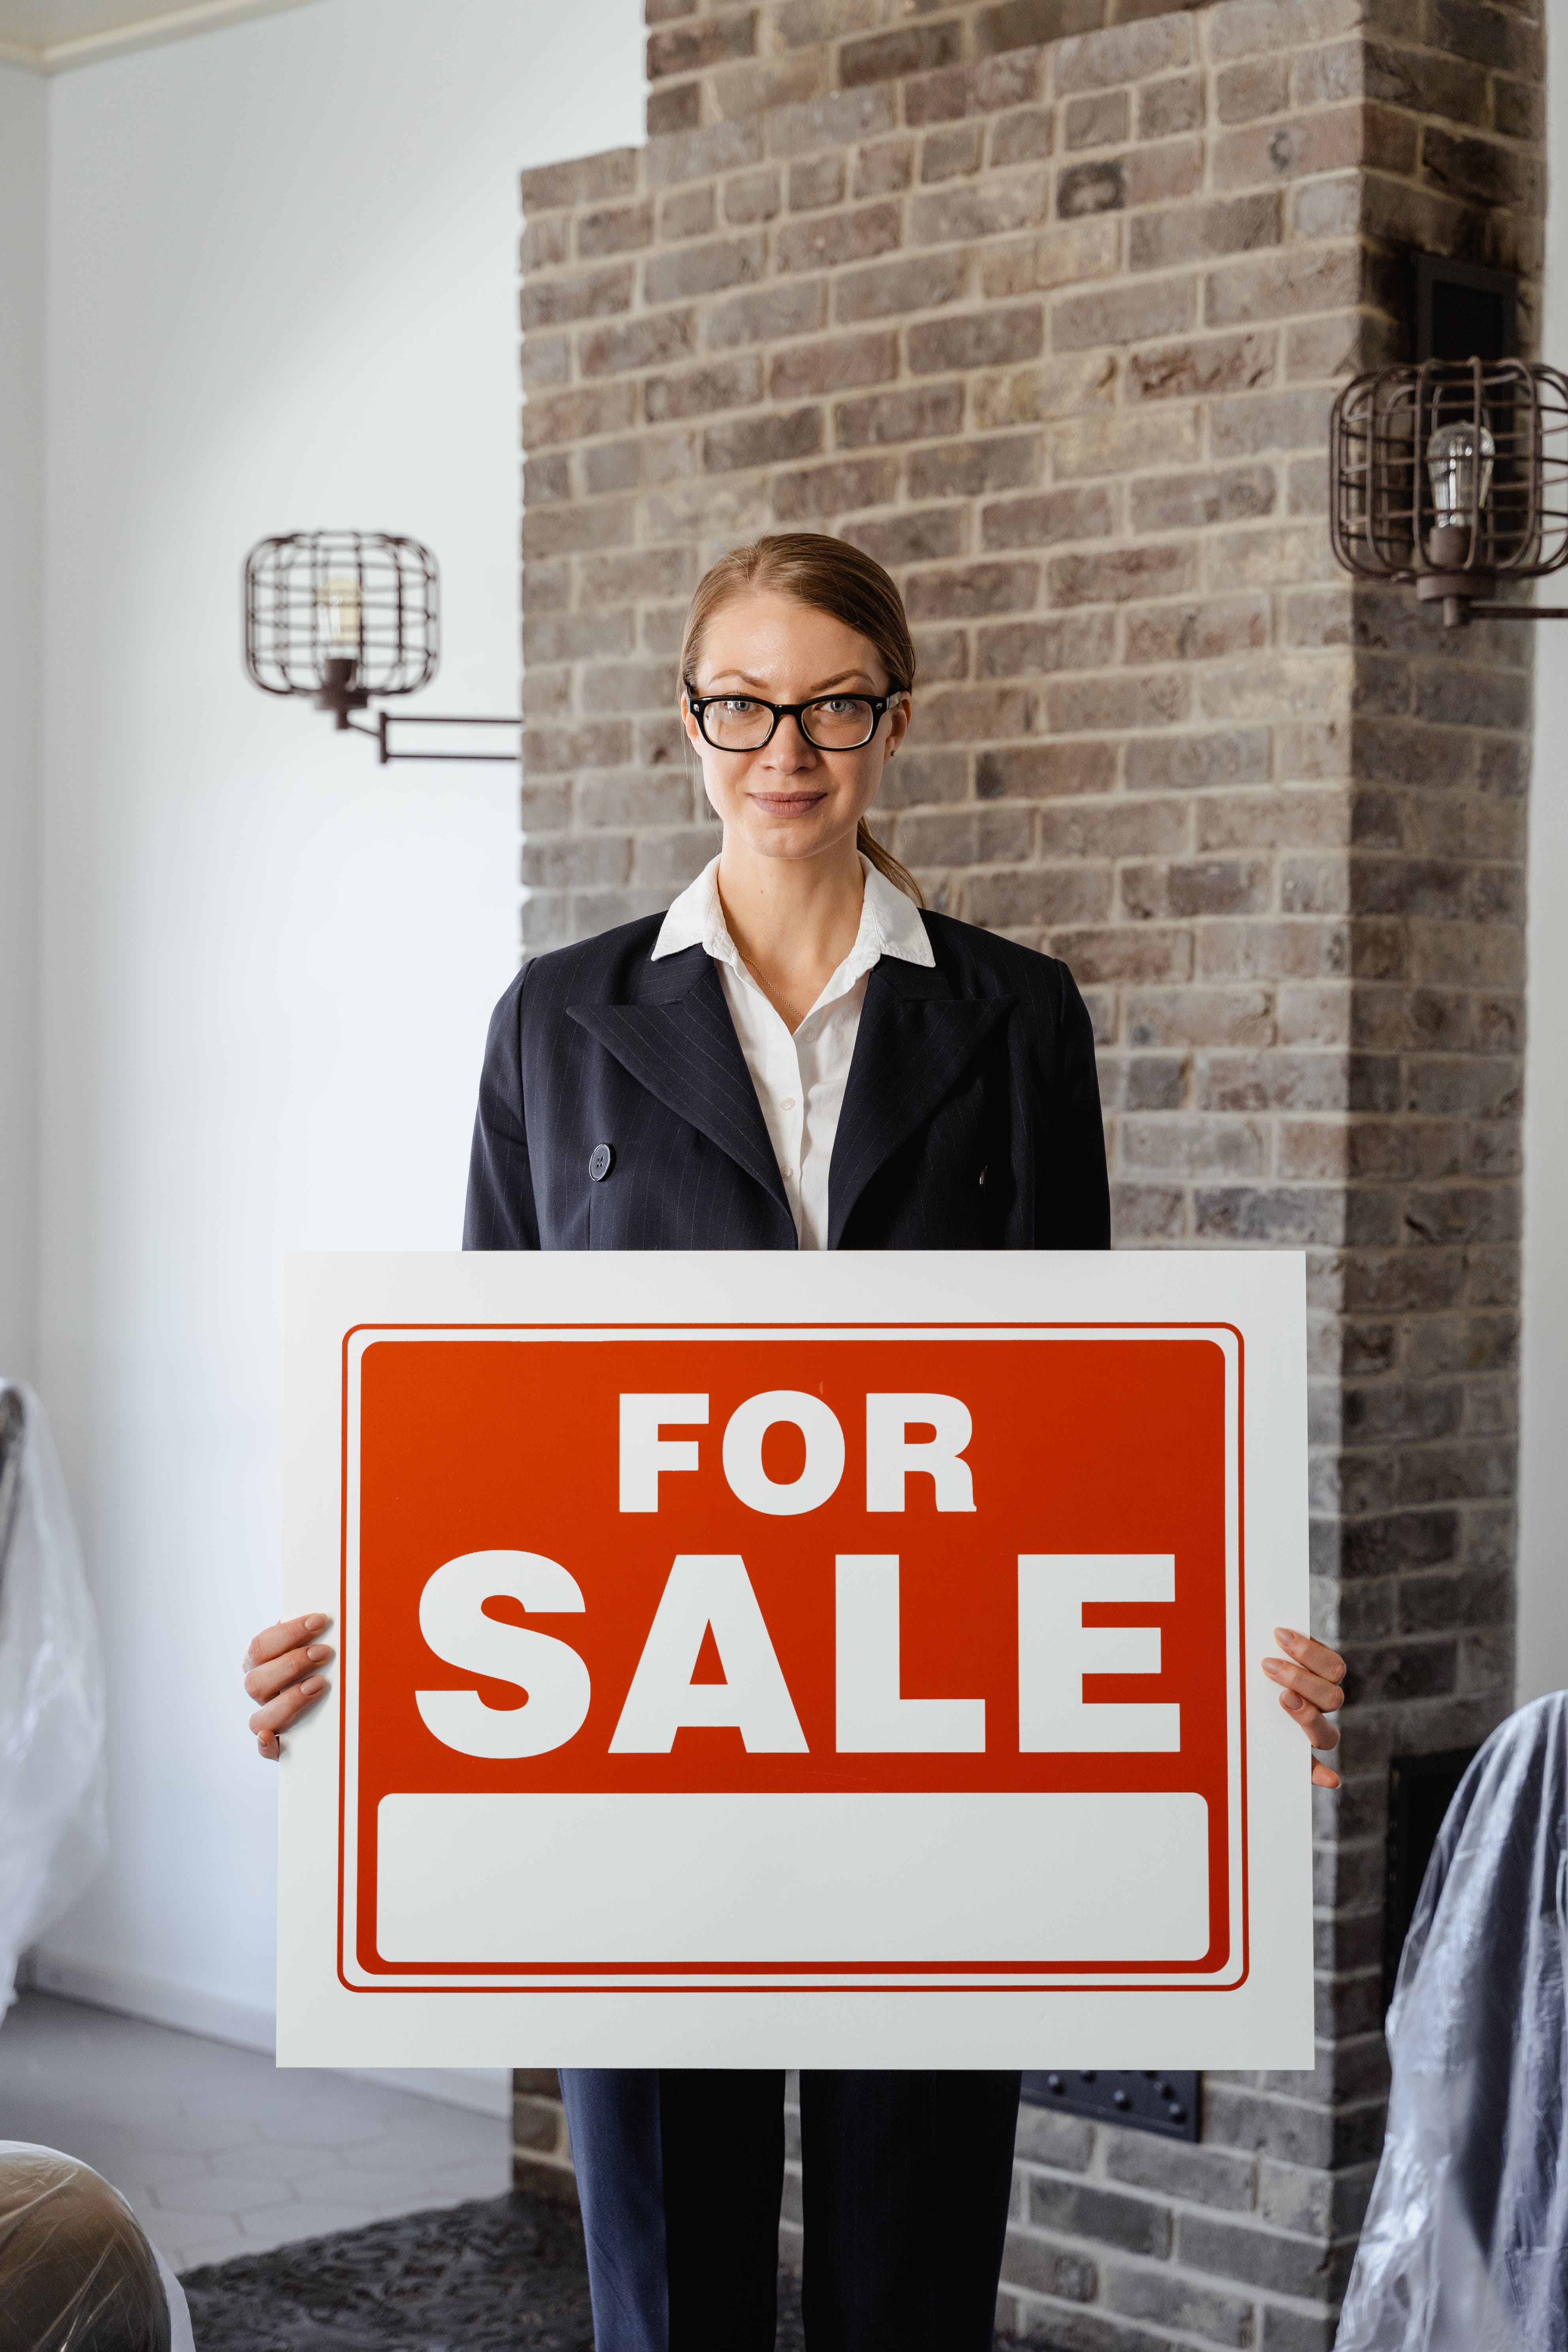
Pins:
x: 1044, y: 303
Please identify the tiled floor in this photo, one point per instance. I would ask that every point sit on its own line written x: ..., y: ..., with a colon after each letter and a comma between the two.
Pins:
x: 219, y: 2151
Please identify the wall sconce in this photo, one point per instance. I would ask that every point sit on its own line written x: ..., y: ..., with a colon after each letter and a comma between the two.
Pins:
x: 346, y: 616
x: 1453, y: 474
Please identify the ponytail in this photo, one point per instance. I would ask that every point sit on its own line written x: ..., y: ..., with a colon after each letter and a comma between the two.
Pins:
x: 886, y: 865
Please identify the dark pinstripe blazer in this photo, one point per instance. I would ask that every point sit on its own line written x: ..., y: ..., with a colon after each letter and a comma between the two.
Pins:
x: 970, y: 1117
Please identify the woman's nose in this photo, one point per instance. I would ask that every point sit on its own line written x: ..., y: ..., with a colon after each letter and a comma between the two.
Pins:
x: 790, y: 747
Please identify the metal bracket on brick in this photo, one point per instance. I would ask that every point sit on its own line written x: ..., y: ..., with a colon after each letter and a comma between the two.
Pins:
x: 1167, y: 2103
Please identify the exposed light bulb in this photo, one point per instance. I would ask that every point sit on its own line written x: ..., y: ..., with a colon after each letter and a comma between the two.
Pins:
x: 1459, y: 460
x: 338, y: 601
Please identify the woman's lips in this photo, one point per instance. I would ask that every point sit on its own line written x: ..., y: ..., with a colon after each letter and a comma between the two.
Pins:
x: 787, y: 803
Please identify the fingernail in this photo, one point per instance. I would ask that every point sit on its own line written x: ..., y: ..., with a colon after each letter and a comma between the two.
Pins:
x: 319, y: 1651
x: 1274, y: 1665
x: 312, y: 1685
x: 1293, y: 1700
x: 314, y: 1624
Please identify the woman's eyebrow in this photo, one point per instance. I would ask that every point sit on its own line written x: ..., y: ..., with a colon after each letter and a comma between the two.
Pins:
x: 839, y: 677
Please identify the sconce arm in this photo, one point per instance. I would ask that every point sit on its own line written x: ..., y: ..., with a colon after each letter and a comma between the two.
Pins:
x: 389, y: 718
x: 1518, y: 612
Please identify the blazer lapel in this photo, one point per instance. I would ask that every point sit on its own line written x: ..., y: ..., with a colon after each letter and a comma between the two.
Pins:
x: 916, y: 1039
x: 679, y: 1042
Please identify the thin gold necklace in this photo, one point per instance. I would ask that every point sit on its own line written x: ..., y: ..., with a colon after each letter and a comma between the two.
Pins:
x: 781, y: 1006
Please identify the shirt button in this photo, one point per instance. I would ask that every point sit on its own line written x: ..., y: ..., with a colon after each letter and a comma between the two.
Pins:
x: 601, y: 1159
x: 788, y: 1103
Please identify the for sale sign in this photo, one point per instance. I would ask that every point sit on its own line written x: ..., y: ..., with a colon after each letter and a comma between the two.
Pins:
x: 761, y: 1660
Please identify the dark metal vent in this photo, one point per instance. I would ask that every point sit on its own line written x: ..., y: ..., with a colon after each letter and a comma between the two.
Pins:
x: 1167, y: 2103
x: 1463, y: 312
x: 13, y: 1436
x: 1420, y: 1790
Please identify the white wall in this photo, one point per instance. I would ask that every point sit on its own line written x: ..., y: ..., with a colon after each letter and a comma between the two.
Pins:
x: 282, y: 294
x: 23, y: 100
x: 1543, y: 1538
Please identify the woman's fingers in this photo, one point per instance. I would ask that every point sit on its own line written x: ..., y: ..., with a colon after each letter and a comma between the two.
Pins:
x: 1311, y: 1689
x: 282, y: 1655
x: 290, y: 1634
x: 1310, y: 1678
x: 1320, y: 1731
x: 1317, y: 1655
x: 280, y: 1712
x: 1300, y: 1706
x: 1314, y: 1658
x: 1312, y: 1671
x: 281, y: 1668
x: 265, y: 1682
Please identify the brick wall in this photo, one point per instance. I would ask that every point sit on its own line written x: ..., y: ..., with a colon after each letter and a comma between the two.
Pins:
x: 1053, y: 331
x: 718, y: 65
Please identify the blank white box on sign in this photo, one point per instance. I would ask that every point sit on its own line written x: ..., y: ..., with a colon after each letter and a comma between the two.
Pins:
x: 1111, y: 1867
x: 821, y: 1878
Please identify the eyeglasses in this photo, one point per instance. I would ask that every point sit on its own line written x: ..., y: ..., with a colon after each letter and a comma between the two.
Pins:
x: 832, y: 722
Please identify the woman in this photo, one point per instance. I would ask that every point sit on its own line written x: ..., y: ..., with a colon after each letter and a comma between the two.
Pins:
x: 796, y: 1056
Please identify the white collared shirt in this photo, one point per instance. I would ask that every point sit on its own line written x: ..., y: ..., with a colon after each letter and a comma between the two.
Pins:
x: 799, y: 1078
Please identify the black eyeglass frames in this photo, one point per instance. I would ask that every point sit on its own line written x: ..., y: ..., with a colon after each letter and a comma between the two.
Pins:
x: 831, y: 722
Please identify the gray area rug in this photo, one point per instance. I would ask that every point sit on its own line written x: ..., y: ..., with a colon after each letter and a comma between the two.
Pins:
x: 502, y: 2274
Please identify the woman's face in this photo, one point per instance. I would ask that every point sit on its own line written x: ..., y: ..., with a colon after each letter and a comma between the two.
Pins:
x: 789, y: 799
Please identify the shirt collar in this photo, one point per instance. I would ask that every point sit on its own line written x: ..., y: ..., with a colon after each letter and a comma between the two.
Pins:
x: 891, y: 924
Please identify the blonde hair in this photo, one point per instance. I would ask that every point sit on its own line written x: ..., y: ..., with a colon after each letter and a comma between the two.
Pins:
x: 829, y: 576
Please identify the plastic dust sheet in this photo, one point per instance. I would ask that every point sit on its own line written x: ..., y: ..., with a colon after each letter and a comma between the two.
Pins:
x: 52, y: 1831
x: 1465, y: 2247
x: 76, y: 2274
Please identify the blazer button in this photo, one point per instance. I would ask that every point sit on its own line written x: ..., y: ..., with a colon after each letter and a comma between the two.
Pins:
x: 601, y: 1159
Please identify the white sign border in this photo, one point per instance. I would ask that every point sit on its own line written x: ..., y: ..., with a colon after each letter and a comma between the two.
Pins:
x: 1263, y: 2021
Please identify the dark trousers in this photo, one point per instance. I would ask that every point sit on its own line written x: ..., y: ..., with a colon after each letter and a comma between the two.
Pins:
x: 907, y: 2181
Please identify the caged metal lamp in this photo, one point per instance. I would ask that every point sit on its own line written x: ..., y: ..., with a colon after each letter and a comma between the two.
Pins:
x: 1453, y: 474
x: 349, y: 617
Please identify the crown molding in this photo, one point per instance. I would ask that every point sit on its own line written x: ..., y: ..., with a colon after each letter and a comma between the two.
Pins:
x: 152, y: 30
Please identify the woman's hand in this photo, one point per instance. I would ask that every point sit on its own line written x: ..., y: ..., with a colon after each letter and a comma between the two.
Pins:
x: 282, y: 1670
x: 1309, y: 1676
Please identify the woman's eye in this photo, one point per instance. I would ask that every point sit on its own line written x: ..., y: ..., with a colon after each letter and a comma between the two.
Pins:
x: 737, y: 705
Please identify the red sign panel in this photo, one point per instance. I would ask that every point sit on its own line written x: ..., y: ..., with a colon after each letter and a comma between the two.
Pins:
x: 681, y: 1655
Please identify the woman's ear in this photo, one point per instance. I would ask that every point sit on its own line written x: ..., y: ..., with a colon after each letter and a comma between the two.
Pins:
x: 694, y: 745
